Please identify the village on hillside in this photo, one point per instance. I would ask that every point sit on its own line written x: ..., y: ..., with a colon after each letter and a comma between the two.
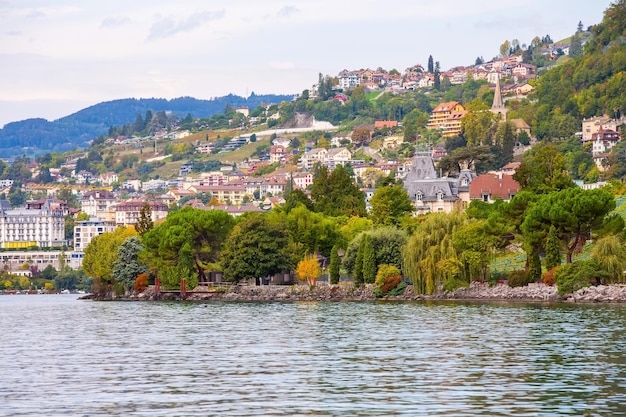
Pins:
x: 76, y: 204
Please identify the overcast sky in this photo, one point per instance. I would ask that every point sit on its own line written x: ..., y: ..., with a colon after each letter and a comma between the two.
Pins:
x: 58, y: 57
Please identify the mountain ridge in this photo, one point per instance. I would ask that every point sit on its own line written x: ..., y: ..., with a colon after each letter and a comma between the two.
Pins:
x: 37, y: 135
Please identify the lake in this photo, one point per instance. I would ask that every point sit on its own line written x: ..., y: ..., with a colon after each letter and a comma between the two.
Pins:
x: 66, y: 357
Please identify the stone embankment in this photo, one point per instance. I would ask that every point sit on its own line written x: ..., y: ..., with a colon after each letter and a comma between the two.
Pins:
x: 599, y: 294
x: 476, y: 291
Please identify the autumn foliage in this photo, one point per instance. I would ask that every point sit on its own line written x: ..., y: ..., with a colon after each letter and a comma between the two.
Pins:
x: 309, y: 269
x: 141, y: 282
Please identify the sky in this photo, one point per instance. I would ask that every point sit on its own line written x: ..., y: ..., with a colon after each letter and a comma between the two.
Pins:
x: 58, y: 57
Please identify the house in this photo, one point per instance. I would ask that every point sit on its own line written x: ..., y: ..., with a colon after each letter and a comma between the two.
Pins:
x: 603, y: 140
x: 339, y: 140
x: 284, y: 142
x: 185, y: 169
x: 309, y: 158
x: 127, y: 212
x: 349, y: 79
x: 302, y: 180
x: 182, y: 134
x: 432, y: 193
x: 178, y: 194
x: 338, y: 155
x: 206, y: 148
x: 447, y: 117
x: 97, y: 203
x: 273, y: 186
x: 277, y: 153
x: 510, y: 168
x: 489, y: 187
x: 108, y: 178
x: 594, y: 124
x: 273, y: 202
x: 84, y: 177
x: 520, y: 126
x: 231, y: 193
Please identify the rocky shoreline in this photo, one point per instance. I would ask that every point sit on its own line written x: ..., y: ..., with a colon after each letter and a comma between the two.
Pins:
x: 475, y: 292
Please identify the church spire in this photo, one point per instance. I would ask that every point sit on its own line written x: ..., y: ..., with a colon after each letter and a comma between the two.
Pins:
x: 498, y: 104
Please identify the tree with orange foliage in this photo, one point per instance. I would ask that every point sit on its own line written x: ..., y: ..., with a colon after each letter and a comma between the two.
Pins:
x: 309, y: 269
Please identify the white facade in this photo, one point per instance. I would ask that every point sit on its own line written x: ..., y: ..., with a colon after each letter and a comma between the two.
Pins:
x: 21, y: 228
x: 96, y: 203
x: 86, y: 230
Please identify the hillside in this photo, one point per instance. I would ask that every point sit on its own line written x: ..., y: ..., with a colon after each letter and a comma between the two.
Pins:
x: 590, y: 85
x: 37, y: 136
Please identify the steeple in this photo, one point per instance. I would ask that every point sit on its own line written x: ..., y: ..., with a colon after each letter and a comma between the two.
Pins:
x: 498, y: 104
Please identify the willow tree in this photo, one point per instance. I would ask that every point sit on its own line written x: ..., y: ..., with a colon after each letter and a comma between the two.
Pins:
x: 610, y: 255
x: 429, y: 256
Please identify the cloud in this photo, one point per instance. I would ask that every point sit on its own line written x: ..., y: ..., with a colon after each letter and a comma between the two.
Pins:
x: 114, y: 22
x: 288, y: 11
x: 167, y: 26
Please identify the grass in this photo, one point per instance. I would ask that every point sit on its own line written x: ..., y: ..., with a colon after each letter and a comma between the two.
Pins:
x: 240, y: 154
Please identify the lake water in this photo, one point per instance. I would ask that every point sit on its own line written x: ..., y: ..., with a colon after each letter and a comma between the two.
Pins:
x: 65, y: 357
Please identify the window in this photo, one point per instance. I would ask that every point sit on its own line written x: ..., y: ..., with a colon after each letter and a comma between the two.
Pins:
x: 440, y: 195
x: 419, y: 196
x: 486, y: 198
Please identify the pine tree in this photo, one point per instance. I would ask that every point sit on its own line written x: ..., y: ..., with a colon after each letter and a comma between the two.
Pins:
x: 553, y: 249
x: 358, y: 265
x: 334, y: 265
x: 534, y: 270
x: 431, y: 65
x: 369, y: 260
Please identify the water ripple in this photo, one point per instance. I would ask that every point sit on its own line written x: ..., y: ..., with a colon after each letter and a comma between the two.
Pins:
x: 67, y: 357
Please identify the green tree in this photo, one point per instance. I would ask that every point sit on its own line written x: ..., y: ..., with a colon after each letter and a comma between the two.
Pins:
x: 204, y: 230
x: 295, y: 198
x: 334, y: 265
x: 544, y: 171
x: 336, y: 193
x: 100, y: 256
x: 429, y: 254
x: 127, y: 266
x: 256, y: 248
x: 44, y: 175
x: 390, y: 204
x: 553, y: 249
x: 478, y: 127
x: 610, y: 254
x: 369, y: 261
x: 357, y: 271
x: 431, y: 65
x: 388, y: 243
x: 574, y: 212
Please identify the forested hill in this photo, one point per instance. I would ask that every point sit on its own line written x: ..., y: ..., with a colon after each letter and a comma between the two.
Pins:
x: 590, y: 85
x: 36, y: 136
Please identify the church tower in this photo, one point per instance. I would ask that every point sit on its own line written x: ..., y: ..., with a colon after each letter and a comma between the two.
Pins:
x: 498, y: 104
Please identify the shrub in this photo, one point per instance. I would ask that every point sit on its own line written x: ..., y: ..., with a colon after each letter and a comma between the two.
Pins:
x: 520, y: 279
x: 548, y: 277
x: 452, y: 284
x: 399, y: 290
x: 391, y: 283
x: 580, y: 274
x: 141, y: 282
x: 384, y: 271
